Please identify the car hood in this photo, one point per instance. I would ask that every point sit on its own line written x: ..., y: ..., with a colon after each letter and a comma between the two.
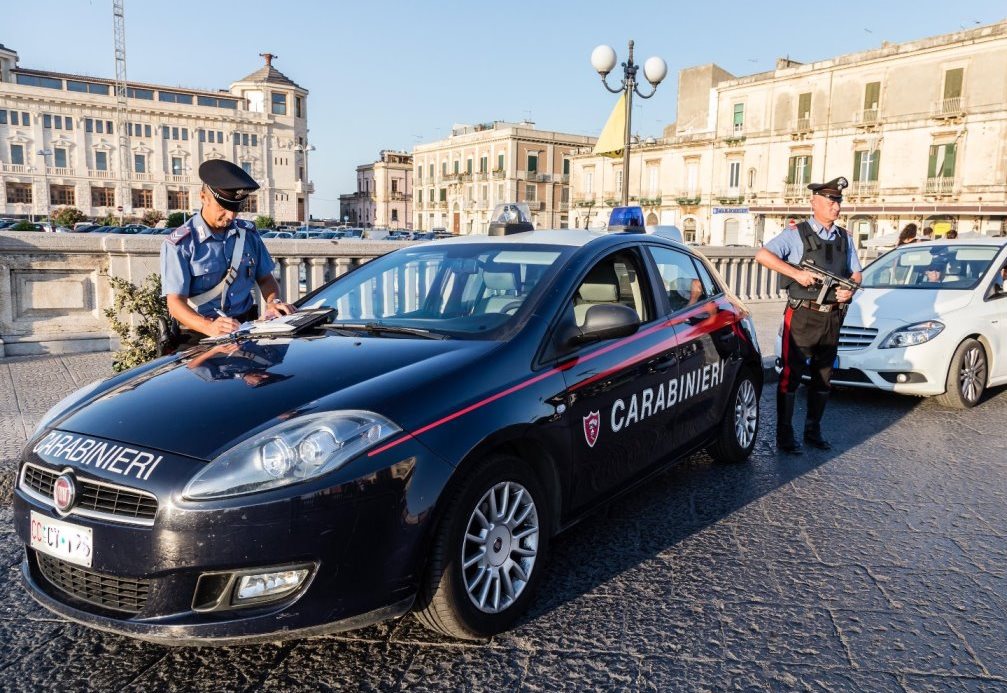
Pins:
x: 205, y: 401
x: 893, y: 307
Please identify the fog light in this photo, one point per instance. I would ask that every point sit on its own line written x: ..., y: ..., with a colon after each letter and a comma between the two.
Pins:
x: 269, y: 585
x: 902, y: 378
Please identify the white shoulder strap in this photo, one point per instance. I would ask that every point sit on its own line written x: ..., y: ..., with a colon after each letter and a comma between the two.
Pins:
x: 232, y: 272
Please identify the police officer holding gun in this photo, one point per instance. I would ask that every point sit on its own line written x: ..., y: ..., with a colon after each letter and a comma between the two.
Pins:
x: 811, y: 329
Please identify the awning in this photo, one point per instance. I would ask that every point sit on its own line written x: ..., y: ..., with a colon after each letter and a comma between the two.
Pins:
x: 613, y: 136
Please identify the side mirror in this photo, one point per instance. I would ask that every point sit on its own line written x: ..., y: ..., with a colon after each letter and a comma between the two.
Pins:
x: 605, y: 321
x: 996, y: 290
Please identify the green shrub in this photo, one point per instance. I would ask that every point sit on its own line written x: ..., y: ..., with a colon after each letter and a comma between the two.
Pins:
x: 68, y: 216
x: 138, y: 343
x: 176, y: 219
x: 264, y: 222
x: 151, y: 217
x: 23, y: 226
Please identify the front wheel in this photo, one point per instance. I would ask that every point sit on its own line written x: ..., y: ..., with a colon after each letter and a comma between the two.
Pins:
x: 488, y: 553
x: 740, y: 425
x: 966, y: 380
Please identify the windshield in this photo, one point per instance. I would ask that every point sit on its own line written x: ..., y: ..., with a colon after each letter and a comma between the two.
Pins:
x: 470, y: 290
x: 930, y: 267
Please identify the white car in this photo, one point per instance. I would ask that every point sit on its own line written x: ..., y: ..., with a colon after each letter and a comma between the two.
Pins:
x: 929, y: 320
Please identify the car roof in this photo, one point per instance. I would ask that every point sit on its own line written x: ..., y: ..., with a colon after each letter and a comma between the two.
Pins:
x: 574, y: 238
x: 978, y: 240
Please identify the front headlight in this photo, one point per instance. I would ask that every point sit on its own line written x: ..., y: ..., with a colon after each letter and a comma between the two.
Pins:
x: 290, y: 452
x: 64, y: 404
x: 910, y: 335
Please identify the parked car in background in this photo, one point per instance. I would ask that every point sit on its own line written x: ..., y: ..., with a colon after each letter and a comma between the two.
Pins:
x: 930, y: 320
x: 84, y: 227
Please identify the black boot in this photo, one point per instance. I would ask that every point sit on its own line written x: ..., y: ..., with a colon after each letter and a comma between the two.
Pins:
x: 813, y: 427
x: 785, y: 440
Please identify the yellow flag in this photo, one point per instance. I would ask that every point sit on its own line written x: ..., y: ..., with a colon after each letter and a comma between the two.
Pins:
x: 613, y: 135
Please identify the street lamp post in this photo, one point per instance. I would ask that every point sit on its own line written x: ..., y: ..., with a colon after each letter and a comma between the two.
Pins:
x: 603, y: 60
x: 45, y: 185
x: 304, y: 149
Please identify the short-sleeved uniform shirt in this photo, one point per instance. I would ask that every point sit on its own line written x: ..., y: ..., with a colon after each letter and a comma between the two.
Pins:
x: 788, y: 245
x: 194, y: 260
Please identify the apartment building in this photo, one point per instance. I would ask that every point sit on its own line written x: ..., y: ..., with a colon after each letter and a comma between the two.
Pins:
x: 918, y: 128
x: 384, y: 196
x: 61, y: 142
x: 458, y: 180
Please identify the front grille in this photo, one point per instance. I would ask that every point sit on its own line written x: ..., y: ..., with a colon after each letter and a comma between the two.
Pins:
x: 118, y: 594
x: 95, y: 498
x: 850, y: 375
x: 854, y: 337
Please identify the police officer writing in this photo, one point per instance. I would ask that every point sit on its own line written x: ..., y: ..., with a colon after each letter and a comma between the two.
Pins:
x: 810, y: 329
x: 210, y: 264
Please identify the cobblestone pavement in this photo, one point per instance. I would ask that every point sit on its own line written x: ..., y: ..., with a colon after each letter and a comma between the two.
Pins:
x: 879, y: 566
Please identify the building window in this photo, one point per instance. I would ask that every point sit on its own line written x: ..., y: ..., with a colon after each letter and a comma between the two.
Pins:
x: 739, y: 118
x: 59, y: 157
x: 102, y: 197
x: 456, y: 165
x: 297, y: 107
x: 68, y: 121
x: 444, y: 195
x: 395, y: 215
x: 279, y: 103
x: 484, y: 193
x: 185, y: 133
x: 468, y: 166
x: 246, y: 166
x: 140, y: 163
x: 17, y: 154
x: 734, y: 175
x: 653, y: 179
x: 799, y: 170
x: 19, y: 193
x: 872, y: 96
x: 953, y: 83
x: 202, y: 135
x: 34, y: 81
x: 865, y: 166
x: 174, y: 133
x: 431, y: 170
x: 86, y: 87
x: 176, y: 165
x: 46, y: 120
x: 942, y: 161
x: 143, y: 199
x: 251, y: 204
x: 804, y: 111
x: 62, y: 195
x: 3, y: 117
x: 395, y: 185
x: 532, y: 163
x: 101, y: 161
x: 566, y: 166
x: 500, y: 162
x: 133, y: 93
x: 530, y: 192
x: 444, y: 169
x: 484, y: 163
x: 419, y: 198
x: 174, y: 97
x: 13, y: 118
x: 618, y: 181
x: 589, y: 181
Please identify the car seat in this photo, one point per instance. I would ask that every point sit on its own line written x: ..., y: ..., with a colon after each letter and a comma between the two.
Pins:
x: 600, y: 286
x: 503, y: 286
x: 954, y: 272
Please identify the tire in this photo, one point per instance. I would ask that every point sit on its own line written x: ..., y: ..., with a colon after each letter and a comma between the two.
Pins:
x: 485, y: 597
x: 967, y: 376
x: 740, y: 426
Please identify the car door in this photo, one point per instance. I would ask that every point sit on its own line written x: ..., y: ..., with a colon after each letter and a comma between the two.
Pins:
x: 615, y: 392
x: 708, y: 350
x: 994, y: 319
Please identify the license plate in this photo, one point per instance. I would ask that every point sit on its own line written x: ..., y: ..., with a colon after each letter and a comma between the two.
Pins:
x: 63, y: 540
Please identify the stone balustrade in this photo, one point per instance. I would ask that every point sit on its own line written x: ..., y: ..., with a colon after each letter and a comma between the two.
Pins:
x: 54, y: 287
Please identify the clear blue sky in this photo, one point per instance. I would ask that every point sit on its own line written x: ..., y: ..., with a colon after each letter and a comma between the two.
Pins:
x: 387, y: 75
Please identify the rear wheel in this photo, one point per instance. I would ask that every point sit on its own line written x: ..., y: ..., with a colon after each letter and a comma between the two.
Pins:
x: 740, y: 425
x: 489, y: 552
x: 967, y: 374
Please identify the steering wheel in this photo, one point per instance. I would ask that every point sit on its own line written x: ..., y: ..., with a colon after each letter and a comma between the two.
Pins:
x: 511, y: 307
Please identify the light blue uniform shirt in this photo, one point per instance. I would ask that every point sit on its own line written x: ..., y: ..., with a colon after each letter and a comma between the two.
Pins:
x: 788, y: 245
x: 194, y: 260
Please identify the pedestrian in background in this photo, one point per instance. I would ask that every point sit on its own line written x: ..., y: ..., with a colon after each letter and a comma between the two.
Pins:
x: 952, y: 234
x: 908, y: 234
x: 928, y: 233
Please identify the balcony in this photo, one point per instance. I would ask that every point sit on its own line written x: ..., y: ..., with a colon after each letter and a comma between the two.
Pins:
x: 866, y: 118
x: 142, y: 177
x: 59, y: 171
x: 397, y: 196
x: 499, y: 173
x: 730, y: 196
x: 653, y: 201
x: 564, y: 206
x: 299, y: 187
x: 793, y: 190
x: 803, y: 124
x: 181, y: 178
x: 16, y: 168
x: 440, y: 204
x: 863, y: 188
x: 689, y: 198
x: 106, y: 175
x: 948, y: 108
x: 584, y: 200
x: 941, y: 186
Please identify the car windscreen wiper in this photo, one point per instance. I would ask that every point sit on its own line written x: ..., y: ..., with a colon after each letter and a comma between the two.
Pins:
x: 379, y: 328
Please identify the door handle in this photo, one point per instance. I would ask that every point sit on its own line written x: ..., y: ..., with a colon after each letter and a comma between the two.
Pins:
x: 698, y: 318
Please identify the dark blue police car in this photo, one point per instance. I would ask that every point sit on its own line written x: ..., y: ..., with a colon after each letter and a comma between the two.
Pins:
x: 467, y: 400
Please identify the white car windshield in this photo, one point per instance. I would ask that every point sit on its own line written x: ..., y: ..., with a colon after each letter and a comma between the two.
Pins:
x: 930, y: 267
x: 462, y: 290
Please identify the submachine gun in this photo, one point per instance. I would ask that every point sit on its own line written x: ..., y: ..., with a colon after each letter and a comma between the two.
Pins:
x: 827, y: 281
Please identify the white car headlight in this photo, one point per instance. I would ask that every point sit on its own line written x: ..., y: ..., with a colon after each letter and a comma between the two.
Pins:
x: 290, y: 452
x: 64, y: 404
x: 910, y: 335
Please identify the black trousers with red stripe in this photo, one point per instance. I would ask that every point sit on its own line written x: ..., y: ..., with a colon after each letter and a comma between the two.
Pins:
x: 810, y: 341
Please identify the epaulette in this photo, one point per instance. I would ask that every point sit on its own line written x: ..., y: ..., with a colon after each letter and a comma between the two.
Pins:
x: 245, y: 224
x: 176, y: 236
